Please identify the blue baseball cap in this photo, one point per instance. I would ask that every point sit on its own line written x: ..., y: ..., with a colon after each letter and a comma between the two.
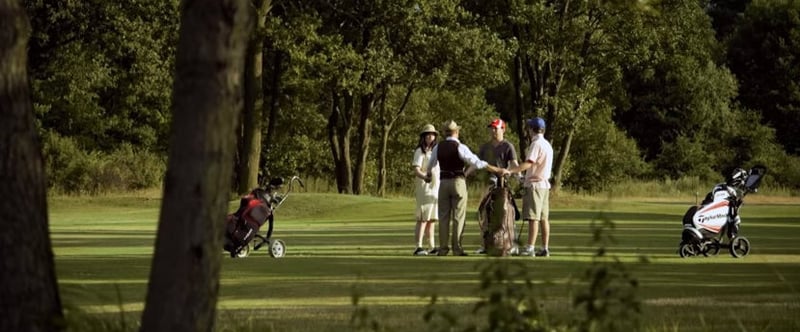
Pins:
x: 535, y: 123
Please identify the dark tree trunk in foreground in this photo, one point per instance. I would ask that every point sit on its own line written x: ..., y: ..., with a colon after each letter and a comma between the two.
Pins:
x: 29, y: 299
x: 184, y: 279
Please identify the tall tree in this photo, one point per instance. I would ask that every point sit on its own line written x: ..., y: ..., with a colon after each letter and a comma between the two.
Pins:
x: 764, y: 54
x: 562, y: 50
x: 252, y: 117
x: 207, y: 95
x: 29, y: 299
x: 675, y: 91
x: 101, y: 71
x: 365, y: 50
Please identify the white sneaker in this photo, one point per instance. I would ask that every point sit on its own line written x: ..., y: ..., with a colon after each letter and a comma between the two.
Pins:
x: 514, y: 251
x: 528, y: 251
x: 480, y: 251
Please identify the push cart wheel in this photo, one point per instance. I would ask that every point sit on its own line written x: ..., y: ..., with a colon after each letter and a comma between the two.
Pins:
x: 713, y: 247
x: 740, y: 246
x: 687, y: 250
x: 277, y: 249
x: 244, y: 252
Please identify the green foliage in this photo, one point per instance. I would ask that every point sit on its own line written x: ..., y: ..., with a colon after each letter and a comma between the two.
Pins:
x: 764, y: 53
x: 609, y: 302
x: 101, y: 77
x: 508, y: 302
x: 102, y: 71
x: 602, y: 155
x: 685, y: 156
x: 674, y: 85
x: 509, y: 298
x: 72, y: 170
x: 785, y: 172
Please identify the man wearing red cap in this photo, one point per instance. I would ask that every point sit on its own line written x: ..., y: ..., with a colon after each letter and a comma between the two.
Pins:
x: 497, y: 152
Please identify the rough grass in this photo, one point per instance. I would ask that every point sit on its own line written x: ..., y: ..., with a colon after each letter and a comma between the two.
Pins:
x: 341, y: 245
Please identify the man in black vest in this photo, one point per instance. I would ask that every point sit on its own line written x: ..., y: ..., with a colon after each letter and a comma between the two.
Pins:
x: 452, y: 157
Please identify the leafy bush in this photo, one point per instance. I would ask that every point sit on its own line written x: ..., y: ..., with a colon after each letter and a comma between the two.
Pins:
x: 72, y: 170
x: 687, y: 156
x: 602, y: 155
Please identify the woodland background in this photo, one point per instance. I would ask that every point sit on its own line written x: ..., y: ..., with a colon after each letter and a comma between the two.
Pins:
x: 338, y: 90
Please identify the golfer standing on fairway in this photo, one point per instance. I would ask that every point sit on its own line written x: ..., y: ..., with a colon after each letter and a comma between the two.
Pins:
x: 535, y: 203
x: 452, y: 157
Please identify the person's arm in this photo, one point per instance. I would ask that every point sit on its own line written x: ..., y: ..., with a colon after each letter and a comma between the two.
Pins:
x: 417, y: 164
x: 519, y: 168
x: 432, y: 163
x: 525, y: 165
x: 418, y: 172
x: 470, y: 158
x: 471, y: 169
x: 515, y: 164
x: 512, y: 158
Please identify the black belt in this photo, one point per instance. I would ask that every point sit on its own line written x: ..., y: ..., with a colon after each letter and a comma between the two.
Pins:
x: 451, y: 175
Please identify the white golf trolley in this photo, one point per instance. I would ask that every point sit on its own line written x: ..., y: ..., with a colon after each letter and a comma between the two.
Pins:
x: 242, y: 227
x: 714, y: 224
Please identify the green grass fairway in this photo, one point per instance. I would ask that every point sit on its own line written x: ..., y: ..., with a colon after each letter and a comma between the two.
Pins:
x: 338, y: 245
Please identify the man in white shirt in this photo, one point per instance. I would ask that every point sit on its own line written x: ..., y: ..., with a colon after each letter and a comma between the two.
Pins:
x: 538, y: 166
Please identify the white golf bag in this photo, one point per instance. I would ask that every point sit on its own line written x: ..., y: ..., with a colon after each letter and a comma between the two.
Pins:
x: 714, y: 224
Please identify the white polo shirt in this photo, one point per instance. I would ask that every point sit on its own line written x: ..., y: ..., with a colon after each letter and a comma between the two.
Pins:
x: 540, y: 154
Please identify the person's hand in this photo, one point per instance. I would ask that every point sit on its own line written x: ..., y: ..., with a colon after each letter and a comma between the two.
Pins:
x: 427, y: 178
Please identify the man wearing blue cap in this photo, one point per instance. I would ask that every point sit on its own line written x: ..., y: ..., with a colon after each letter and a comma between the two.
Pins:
x: 538, y: 166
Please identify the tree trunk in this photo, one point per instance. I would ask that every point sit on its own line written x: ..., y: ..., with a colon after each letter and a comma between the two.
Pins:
x: 184, y: 278
x: 273, y: 93
x: 339, y: 128
x: 364, y: 135
x: 386, y: 130
x: 253, y: 102
x: 558, y: 164
x: 519, y: 115
x: 29, y: 299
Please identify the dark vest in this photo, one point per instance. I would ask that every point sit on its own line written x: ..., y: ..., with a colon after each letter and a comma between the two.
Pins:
x: 450, y: 163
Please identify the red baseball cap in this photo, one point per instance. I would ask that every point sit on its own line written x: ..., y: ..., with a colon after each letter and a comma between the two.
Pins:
x: 497, y: 123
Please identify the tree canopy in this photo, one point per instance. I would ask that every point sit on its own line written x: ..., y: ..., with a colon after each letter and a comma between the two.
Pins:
x: 664, y: 88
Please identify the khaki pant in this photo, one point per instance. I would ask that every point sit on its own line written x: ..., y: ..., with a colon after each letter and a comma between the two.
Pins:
x: 452, y: 212
x: 536, y: 204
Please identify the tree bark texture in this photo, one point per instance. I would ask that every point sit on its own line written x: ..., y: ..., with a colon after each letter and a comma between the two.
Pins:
x: 207, y: 97
x: 29, y: 299
x: 272, y: 93
x: 339, y: 128
x: 252, y: 117
x: 386, y: 125
x: 362, y: 147
x: 519, y: 111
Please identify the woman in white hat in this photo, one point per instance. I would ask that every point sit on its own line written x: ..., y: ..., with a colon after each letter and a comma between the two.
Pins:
x: 427, y: 193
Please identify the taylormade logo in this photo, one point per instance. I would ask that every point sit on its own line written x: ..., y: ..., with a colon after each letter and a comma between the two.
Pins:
x: 702, y: 219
